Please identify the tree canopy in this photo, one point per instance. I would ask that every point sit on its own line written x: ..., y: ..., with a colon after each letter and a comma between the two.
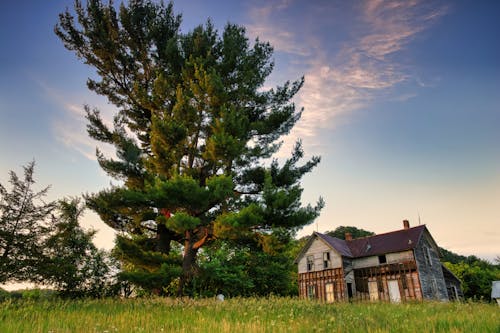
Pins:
x: 194, y: 132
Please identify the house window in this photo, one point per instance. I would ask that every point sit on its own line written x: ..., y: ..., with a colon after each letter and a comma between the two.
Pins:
x: 311, y: 291
x: 429, y: 257
x: 382, y: 259
x: 452, y: 293
x: 310, y: 263
x: 326, y: 259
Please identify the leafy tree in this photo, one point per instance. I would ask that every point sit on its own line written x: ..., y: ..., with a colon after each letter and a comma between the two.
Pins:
x: 71, y: 262
x: 243, y: 270
x: 24, y: 222
x: 193, y: 131
x: 340, y: 232
x: 476, y: 279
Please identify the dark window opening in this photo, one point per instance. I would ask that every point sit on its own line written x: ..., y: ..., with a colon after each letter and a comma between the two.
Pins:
x: 382, y: 259
x: 326, y: 259
x: 310, y: 263
x: 429, y: 257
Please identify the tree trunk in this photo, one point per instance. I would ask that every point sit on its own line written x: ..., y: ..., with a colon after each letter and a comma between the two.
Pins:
x: 163, y: 238
x: 188, y: 265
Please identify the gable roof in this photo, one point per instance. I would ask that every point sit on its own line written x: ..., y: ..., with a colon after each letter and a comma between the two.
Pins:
x: 338, y: 244
x: 394, y: 241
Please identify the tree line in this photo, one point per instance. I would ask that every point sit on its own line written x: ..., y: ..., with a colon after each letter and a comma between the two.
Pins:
x: 43, y: 243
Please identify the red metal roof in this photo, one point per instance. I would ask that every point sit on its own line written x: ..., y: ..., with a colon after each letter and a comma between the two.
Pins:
x: 395, y: 241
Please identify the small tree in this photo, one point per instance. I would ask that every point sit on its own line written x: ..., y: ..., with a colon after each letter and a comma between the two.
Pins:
x: 24, y: 223
x: 71, y: 261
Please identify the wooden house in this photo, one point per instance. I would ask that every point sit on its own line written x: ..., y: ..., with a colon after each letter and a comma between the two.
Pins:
x: 394, y: 266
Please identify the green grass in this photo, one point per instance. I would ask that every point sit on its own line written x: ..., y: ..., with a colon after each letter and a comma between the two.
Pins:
x: 244, y: 315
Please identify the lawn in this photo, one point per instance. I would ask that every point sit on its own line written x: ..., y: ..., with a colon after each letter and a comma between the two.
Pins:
x: 244, y: 315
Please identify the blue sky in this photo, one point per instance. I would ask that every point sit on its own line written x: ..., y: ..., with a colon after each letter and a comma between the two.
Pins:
x: 401, y: 100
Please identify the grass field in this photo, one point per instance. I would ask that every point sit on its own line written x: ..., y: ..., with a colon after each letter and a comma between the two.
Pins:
x: 244, y: 315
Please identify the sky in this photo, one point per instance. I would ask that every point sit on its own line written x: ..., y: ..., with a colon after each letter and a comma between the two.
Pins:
x: 401, y: 100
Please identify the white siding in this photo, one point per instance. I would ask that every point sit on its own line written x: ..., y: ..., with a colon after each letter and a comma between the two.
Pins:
x: 317, y: 248
x: 399, y: 257
x: 391, y: 258
x: 365, y: 262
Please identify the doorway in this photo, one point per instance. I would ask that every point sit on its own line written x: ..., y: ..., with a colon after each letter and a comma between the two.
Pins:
x: 394, y: 294
x: 330, y: 298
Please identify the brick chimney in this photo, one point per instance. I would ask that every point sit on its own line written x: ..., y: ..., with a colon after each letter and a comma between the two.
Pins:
x: 348, y: 236
x: 406, y: 224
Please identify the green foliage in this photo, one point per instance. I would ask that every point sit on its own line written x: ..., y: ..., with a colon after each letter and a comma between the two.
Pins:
x: 71, y: 262
x: 476, y: 279
x: 4, y: 295
x: 236, y: 270
x: 340, y: 232
x: 24, y: 223
x: 194, y: 130
x: 43, y: 243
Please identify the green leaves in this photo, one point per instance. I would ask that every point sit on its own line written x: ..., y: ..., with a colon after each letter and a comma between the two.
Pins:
x: 181, y: 222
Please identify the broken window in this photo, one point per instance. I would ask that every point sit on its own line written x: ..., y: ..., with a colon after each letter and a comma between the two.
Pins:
x: 311, y: 291
x: 326, y: 259
x: 310, y: 263
x: 429, y: 257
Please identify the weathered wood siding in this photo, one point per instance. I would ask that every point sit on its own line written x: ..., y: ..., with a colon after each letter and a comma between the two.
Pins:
x: 404, y: 273
x: 318, y: 281
x: 365, y: 262
x: 403, y: 256
x: 317, y: 248
x: 430, y: 272
x: 391, y: 258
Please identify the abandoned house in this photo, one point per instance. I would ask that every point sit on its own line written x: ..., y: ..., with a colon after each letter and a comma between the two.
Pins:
x: 394, y: 266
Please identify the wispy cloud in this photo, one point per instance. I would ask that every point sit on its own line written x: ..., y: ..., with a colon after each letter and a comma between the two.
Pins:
x: 357, y: 73
x: 263, y: 25
x: 69, y: 126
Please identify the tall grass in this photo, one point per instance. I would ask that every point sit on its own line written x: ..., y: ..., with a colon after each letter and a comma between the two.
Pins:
x: 244, y: 315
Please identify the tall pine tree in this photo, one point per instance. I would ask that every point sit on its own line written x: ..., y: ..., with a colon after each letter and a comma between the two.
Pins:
x: 192, y: 131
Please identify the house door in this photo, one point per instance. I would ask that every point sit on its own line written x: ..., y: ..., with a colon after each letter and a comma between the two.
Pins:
x: 349, y: 290
x: 330, y: 298
x: 394, y: 294
x: 373, y: 289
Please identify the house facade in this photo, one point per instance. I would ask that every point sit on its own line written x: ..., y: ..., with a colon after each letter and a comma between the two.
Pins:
x: 396, y: 266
